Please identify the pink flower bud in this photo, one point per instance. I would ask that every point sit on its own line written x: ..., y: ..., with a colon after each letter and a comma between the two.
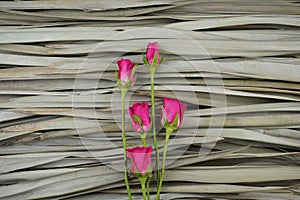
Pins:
x: 171, y: 108
x: 125, y: 71
x: 140, y: 160
x: 140, y: 110
x: 152, y: 49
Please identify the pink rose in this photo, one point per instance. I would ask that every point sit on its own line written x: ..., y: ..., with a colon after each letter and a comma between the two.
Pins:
x: 171, y: 108
x: 125, y: 71
x: 152, y: 49
x: 140, y: 110
x: 140, y: 160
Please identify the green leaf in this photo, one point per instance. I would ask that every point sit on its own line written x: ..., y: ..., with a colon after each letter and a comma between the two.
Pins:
x: 120, y: 86
x: 137, y: 119
x: 155, y: 60
x: 175, y: 122
x: 145, y: 60
x: 134, y: 69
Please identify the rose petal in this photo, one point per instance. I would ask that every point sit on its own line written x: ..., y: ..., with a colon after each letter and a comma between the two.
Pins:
x: 125, y: 70
x: 152, y: 49
x: 141, y: 110
x: 141, y: 158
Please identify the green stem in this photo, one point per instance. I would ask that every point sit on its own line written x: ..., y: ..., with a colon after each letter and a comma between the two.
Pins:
x: 148, y: 187
x: 168, y: 133
x: 143, y: 139
x: 123, y: 92
x: 143, y: 183
x: 152, y: 72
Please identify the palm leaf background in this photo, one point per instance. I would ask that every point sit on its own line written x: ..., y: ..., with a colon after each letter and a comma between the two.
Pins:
x: 59, y: 119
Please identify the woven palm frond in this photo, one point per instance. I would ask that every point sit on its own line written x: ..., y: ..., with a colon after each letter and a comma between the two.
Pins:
x: 235, y: 63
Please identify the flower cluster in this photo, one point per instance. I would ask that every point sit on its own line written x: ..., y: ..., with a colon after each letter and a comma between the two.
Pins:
x: 171, y: 119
